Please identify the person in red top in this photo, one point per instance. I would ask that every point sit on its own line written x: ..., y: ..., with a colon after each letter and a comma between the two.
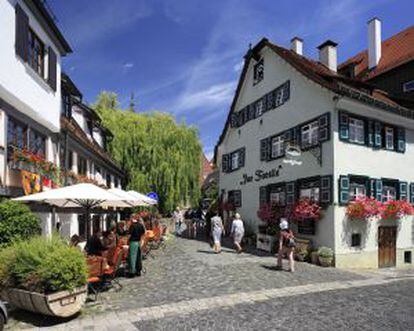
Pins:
x: 286, y: 245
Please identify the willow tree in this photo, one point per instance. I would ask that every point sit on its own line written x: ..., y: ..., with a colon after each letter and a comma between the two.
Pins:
x: 158, y: 153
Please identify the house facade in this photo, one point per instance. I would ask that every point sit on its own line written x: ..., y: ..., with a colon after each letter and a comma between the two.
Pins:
x: 48, y: 136
x: 354, y: 140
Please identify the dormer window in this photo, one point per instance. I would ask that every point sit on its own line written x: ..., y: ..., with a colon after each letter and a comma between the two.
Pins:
x: 258, y: 72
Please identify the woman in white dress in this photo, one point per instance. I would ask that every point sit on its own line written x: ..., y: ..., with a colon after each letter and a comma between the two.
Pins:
x: 237, y: 231
x: 217, y: 230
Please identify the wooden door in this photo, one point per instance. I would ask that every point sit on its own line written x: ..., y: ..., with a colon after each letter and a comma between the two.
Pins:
x: 387, y: 237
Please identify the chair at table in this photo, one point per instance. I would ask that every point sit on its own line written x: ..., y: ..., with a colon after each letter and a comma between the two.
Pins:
x: 96, y: 270
x: 111, y: 273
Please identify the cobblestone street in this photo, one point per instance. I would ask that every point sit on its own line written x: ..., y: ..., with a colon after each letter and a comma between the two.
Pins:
x: 187, y: 287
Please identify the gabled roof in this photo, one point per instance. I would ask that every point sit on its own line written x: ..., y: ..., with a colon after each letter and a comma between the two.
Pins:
x: 38, y: 7
x: 395, y: 51
x: 322, y: 75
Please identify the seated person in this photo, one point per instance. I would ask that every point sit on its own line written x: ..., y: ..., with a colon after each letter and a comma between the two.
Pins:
x: 109, y: 238
x: 121, y: 230
x: 94, y: 245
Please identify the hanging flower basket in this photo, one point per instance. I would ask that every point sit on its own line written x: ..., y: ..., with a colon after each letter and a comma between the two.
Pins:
x: 364, y: 208
x: 396, y: 209
x: 306, y: 209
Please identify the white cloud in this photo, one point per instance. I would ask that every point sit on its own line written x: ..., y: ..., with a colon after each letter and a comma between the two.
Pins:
x: 210, y: 97
x: 238, y: 66
x: 128, y: 65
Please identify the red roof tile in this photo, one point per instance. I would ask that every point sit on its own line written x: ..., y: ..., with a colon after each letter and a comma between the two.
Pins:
x: 395, y: 51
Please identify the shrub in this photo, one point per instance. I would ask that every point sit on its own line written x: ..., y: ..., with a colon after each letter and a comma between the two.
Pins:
x: 42, y: 265
x: 17, y: 222
x: 325, y: 252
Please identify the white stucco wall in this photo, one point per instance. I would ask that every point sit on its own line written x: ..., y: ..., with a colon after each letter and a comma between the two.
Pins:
x: 20, y: 85
x: 365, y: 161
x: 307, y: 101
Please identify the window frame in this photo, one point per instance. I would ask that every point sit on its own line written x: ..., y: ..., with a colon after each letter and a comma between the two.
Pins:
x: 35, y: 60
x: 389, y: 131
x: 234, y: 158
x: 258, y: 76
x: 410, y: 83
x: 281, y: 149
x: 356, y: 128
x: 35, y: 135
x: 310, y: 183
x: 14, y: 143
x: 313, y: 131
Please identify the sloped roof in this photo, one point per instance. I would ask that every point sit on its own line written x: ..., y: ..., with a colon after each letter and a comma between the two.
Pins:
x: 73, y: 127
x: 322, y: 75
x: 395, y: 51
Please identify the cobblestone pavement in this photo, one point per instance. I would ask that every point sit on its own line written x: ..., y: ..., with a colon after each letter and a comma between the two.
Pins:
x: 188, y: 283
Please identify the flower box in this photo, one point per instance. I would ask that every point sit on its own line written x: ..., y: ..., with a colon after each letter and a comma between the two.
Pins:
x: 265, y: 242
x: 59, y: 304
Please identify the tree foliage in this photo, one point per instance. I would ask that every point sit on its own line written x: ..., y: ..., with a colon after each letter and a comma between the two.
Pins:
x: 158, y: 153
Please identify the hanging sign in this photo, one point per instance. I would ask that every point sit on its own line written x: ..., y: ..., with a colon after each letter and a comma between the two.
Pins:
x: 261, y: 175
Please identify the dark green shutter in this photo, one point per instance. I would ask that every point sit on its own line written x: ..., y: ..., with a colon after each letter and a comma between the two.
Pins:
x: 264, y: 149
x: 233, y: 120
x: 237, y: 198
x: 378, y: 189
x: 378, y: 135
x: 290, y: 193
x: 400, y: 140
x: 51, y: 79
x: 412, y: 193
x: 22, y: 33
x: 403, y: 190
x: 344, y: 186
x: 326, y: 189
x: 286, y: 93
x: 262, y: 195
x: 225, y: 163
x: 372, y: 187
x: 324, y: 127
x: 242, y: 156
x: 270, y: 103
x: 343, y: 126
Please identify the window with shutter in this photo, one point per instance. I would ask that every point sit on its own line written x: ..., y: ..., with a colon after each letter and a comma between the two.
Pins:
x: 324, y: 127
x: 343, y: 126
x: 262, y: 195
x: 326, y: 190
x: 400, y: 140
x: 377, y: 135
x: 290, y: 193
x: 225, y: 163
x: 52, y: 69
x: 378, y: 189
x: 343, y: 190
x: 264, y: 149
x: 412, y: 193
x: 22, y: 33
x: 403, y: 191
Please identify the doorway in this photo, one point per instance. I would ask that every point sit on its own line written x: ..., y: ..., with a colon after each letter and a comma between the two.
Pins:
x: 387, y: 239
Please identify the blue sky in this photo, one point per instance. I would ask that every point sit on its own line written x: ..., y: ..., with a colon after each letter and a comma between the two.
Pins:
x: 184, y: 57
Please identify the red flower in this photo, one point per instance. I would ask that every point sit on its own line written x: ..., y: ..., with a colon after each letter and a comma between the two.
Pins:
x: 396, y: 209
x: 363, y: 208
x: 306, y: 209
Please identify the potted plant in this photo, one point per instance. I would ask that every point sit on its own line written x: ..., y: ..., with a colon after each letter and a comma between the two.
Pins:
x: 301, y: 253
x: 314, y: 257
x: 325, y: 255
x: 44, y: 276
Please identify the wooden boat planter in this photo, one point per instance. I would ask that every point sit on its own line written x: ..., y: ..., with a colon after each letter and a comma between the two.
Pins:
x: 59, y: 304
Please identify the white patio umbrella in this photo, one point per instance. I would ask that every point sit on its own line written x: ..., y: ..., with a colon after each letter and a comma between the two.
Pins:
x: 143, y: 197
x: 130, y: 198
x: 83, y: 195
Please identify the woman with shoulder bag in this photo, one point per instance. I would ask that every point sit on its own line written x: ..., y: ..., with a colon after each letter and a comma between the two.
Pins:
x: 287, y: 245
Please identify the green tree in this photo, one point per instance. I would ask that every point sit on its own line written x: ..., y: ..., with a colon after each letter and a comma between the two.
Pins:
x: 158, y: 153
x: 16, y: 222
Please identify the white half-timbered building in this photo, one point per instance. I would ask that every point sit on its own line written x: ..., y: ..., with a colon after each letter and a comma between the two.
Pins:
x: 355, y: 139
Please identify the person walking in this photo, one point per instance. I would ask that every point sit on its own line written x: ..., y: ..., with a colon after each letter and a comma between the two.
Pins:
x: 178, y: 219
x: 217, y: 230
x: 287, y: 245
x: 237, y: 232
x: 136, y: 232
